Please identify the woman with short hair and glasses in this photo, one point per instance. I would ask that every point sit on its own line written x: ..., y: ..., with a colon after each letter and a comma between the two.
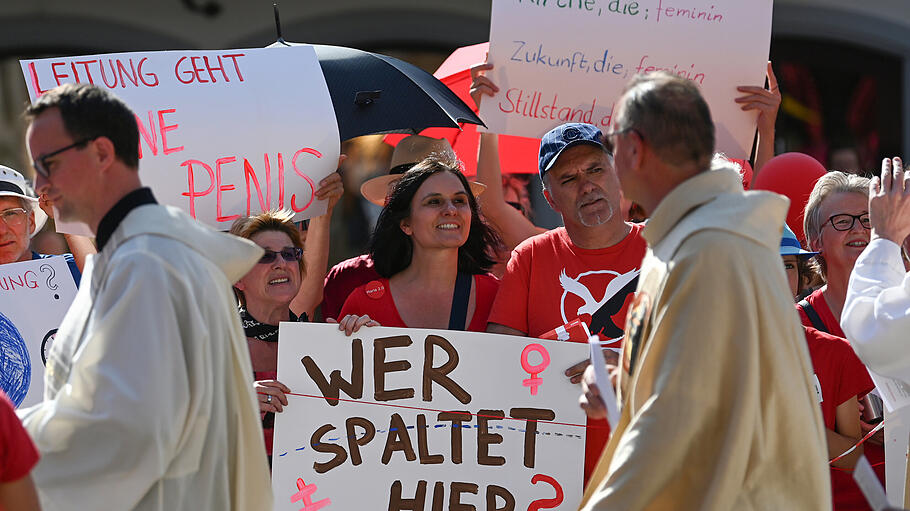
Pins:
x: 264, y: 295
x: 837, y: 226
x: 836, y: 223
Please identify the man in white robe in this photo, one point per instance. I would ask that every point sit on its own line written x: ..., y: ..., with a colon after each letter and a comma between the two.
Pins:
x: 876, y: 315
x: 148, y: 396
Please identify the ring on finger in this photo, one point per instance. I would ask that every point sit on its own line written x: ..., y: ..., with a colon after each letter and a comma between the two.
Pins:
x: 268, y: 398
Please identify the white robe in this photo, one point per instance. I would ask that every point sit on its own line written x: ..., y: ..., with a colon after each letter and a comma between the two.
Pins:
x: 876, y: 315
x: 149, y: 402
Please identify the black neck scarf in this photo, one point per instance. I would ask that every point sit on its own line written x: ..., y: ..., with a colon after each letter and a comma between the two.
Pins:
x: 255, y: 329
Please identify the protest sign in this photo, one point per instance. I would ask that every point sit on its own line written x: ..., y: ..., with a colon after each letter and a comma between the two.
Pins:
x: 394, y: 418
x: 562, y: 61
x: 221, y: 133
x: 34, y: 297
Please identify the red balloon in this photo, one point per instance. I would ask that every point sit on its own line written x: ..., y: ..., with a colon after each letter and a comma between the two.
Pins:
x: 793, y: 175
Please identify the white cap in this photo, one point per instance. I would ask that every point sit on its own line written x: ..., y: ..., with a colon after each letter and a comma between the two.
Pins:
x: 14, y: 184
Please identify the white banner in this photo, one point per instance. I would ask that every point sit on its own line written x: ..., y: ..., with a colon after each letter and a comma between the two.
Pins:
x: 222, y: 133
x: 391, y: 416
x: 563, y: 61
x: 34, y: 297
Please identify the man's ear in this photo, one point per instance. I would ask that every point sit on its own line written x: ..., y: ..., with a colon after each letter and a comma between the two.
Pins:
x: 105, y: 153
x: 546, y: 195
x: 636, y: 150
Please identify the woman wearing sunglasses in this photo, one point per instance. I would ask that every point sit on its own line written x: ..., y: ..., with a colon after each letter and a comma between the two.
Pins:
x: 265, y: 295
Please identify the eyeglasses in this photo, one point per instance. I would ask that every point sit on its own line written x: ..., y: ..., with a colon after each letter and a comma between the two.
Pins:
x: 14, y: 218
x: 608, y: 138
x: 845, y: 222
x: 41, y: 163
x: 289, y: 254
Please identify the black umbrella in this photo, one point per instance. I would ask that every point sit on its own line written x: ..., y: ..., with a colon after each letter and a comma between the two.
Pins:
x: 375, y: 93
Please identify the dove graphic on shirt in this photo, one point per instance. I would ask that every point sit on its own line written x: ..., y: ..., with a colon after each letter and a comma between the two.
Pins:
x: 601, y: 311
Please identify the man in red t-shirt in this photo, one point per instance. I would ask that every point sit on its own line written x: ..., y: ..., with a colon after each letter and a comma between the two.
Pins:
x: 17, y: 458
x: 587, y: 269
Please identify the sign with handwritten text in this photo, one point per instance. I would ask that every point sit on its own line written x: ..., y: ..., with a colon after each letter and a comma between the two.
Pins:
x: 397, y: 418
x: 558, y: 61
x: 34, y: 297
x: 221, y: 133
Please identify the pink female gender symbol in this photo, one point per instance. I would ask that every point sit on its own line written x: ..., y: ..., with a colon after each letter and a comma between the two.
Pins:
x: 306, y: 490
x: 534, y: 381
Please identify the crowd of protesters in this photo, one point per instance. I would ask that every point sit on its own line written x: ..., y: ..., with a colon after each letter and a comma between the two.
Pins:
x: 689, y: 281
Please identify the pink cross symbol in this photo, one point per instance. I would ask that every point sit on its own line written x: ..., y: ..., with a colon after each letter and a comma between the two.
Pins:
x: 306, y: 490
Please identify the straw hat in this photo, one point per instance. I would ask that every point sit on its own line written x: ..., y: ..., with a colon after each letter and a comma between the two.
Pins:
x: 410, y: 151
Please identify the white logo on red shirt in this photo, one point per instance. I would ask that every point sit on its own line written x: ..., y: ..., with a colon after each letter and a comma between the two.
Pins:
x: 618, y: 286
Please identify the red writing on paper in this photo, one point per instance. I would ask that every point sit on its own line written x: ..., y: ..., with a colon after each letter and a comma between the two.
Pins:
x: 533, y: 382
x: 546, y: 503
x: 133, y: 72
x: 305, y: 494
x: 27, y: 280
x: 109, y: 72
x: 149, y: 133
x: 217, y: 185
x: 208, y: 68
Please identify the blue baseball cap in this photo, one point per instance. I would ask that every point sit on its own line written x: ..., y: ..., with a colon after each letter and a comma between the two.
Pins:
x: 563, y: 137
x: 789, y: 245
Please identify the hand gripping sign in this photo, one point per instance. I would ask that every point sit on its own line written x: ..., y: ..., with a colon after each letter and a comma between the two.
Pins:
x: 221, y: 133
x: 394, y: 418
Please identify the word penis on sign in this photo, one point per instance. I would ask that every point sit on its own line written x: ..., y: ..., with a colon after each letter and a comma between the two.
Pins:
x: 534, y: 370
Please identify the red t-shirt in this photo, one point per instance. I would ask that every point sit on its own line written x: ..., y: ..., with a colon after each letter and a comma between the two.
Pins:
x: 17, y: 452
x: 818, y: 302
x: 549, y: 282
x: 842, y: 376
x: 375, y: 299
x: 343, y: 279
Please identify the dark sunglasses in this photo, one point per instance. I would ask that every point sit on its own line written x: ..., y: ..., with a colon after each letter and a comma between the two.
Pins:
x: 40, y: 164
x: 289, y: 254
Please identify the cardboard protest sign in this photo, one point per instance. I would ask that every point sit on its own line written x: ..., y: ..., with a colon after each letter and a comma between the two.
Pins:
x: 34, y: 297
x: 562, y: 61
x: 221, y: 133
x: 394, y: 418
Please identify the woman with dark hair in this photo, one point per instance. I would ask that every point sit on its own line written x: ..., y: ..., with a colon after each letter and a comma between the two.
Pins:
x: 433, y: 251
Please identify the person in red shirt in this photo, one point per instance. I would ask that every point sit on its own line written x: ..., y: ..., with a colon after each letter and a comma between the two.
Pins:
x: 348, y: 275
x: 841, y: 380
x: 432, y: 250
x: 836, y: 222
x: 17, y: 458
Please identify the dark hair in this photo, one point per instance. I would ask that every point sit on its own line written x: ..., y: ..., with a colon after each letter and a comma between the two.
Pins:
x: 671, y: 115
x: 392, y: 250
x: 89, y: 112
